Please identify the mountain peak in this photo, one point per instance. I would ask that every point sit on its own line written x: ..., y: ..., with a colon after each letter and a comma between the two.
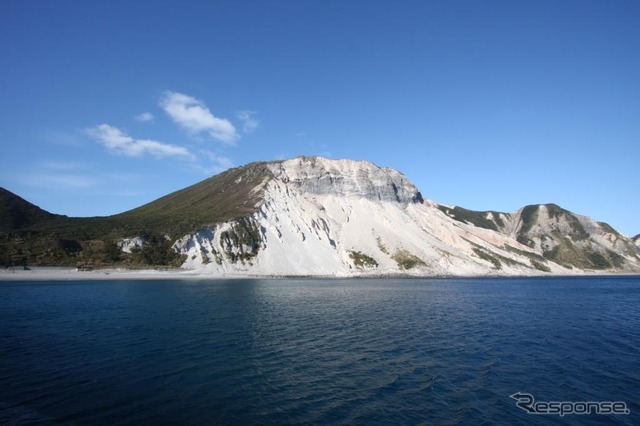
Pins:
x: 346, y: 178
x: 229, y: 195
x: 318, y: 216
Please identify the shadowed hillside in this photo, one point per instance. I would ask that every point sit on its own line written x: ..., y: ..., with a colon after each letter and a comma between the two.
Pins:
x: 17, y: 213
x: 30, y: 235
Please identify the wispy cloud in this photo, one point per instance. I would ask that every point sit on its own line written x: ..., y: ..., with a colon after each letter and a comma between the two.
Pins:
x: 219, y: 163
x: 249, y: 124
x: 119, y: 142
x: 194, y: 116
x: 57, y: 180
x: 64, y: 138
x: 63, y: 165
x: 52, y: 175
x: 145, y: 116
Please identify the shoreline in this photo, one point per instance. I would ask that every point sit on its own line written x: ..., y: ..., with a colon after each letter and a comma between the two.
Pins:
x: 61, y: 273
x: 44, y: 273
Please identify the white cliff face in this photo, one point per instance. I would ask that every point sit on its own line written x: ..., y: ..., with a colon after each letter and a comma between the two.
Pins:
x: 346, y: 178
x: 347, y: 218
x: 344, y: 218
x: 128, y: 244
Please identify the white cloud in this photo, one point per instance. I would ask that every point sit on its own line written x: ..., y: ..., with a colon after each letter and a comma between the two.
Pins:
x: 120, y: 143
x: 145, y: 116
x: 194, y: 116
x: 249, y: 124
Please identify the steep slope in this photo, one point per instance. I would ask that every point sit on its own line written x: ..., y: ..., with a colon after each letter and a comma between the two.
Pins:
x: 315, y: 216
x: 22, y: 239
x: 230, y: 195
x: 556, y: 234
x: 572, y: 240
x: 17, y: 213
x: 29, y: 235
x: 636, y: 240
x: 496, y: 221
x: 341, y: 217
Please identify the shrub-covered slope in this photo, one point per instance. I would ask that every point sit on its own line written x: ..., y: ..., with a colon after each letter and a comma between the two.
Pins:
x: 30, y: 235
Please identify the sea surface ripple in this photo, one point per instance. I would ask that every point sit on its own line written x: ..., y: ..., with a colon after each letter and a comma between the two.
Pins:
x: 316, y: 351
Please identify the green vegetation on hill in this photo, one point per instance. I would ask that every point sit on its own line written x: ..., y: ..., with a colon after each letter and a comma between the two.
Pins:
x: 479, y: 219
x: 497, y: 259
x: 362, y: 261
x: 570, y: 248
x: 227, y: 196
x: 530, y: 255
x: 485, y: 255
x: 242, y: 241
x: 608, y: 228
x: 32, y: 236
x: 17, y: 213
x: 577, y: 230
x: 407, y: 260
x: 528, y: 217
x: 568, y: 255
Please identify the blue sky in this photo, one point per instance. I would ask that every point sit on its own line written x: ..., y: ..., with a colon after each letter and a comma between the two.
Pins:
x: 107, y: 105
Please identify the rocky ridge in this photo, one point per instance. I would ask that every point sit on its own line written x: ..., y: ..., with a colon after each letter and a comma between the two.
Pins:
x: 343, y: 218
x: 316, y: 216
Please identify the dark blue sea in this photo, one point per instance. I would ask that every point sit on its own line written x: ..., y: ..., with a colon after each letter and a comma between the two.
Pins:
x: 314, y: 351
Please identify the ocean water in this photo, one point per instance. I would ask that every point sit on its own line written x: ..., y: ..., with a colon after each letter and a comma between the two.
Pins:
x: 311, y: 351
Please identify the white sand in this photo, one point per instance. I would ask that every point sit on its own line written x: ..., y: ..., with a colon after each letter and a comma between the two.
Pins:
x: 71, y: 274
x: 39, y: 273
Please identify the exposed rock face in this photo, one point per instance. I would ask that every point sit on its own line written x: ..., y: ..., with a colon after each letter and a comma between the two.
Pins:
x: 129, y: 244
x: 571, y: 240
x: 346, y: 178
x: 315, y: 216
x: 344, y: 218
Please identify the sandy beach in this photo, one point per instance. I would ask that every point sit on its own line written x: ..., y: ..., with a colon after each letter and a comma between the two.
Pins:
x: 72, y: 274
x: 47, y: 273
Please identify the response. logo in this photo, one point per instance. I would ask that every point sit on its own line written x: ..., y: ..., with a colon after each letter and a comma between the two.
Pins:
x: 527, y: 403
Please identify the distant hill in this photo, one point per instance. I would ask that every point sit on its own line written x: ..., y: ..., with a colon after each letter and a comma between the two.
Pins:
x: 572, y: 240
x: 315, y: 216
x: 16, y: 213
